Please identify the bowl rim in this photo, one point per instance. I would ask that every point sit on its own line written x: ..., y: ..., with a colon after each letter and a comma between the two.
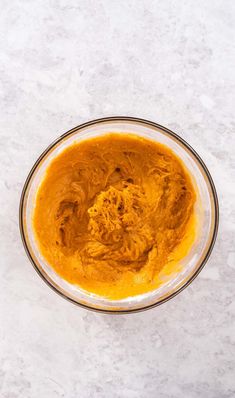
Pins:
x: 138, y: 121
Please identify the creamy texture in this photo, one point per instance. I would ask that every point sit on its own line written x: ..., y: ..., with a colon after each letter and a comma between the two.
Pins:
x: 115, y: 214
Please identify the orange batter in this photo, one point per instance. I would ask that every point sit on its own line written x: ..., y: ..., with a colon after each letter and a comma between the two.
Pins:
x: 113, y: 214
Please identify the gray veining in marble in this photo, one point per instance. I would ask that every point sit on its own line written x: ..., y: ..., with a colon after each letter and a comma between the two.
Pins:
x: 63, y: 62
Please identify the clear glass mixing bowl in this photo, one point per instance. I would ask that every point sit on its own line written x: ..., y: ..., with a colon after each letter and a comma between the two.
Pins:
x: 206, y: 210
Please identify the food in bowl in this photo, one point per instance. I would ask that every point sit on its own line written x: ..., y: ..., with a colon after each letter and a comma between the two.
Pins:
x: 115, y: 214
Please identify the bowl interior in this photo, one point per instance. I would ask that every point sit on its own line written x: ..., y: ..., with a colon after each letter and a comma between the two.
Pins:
x: 205, y: 207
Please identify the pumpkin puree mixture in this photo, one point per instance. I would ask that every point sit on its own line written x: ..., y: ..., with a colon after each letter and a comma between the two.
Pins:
x: 115, y: 214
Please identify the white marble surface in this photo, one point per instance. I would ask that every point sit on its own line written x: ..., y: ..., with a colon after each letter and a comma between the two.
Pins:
x: 66, y: 62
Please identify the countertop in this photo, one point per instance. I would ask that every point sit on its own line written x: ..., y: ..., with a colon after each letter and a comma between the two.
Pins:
x: 66, y: 62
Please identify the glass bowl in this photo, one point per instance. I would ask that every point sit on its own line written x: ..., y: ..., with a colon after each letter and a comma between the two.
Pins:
x: 206, y: 212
